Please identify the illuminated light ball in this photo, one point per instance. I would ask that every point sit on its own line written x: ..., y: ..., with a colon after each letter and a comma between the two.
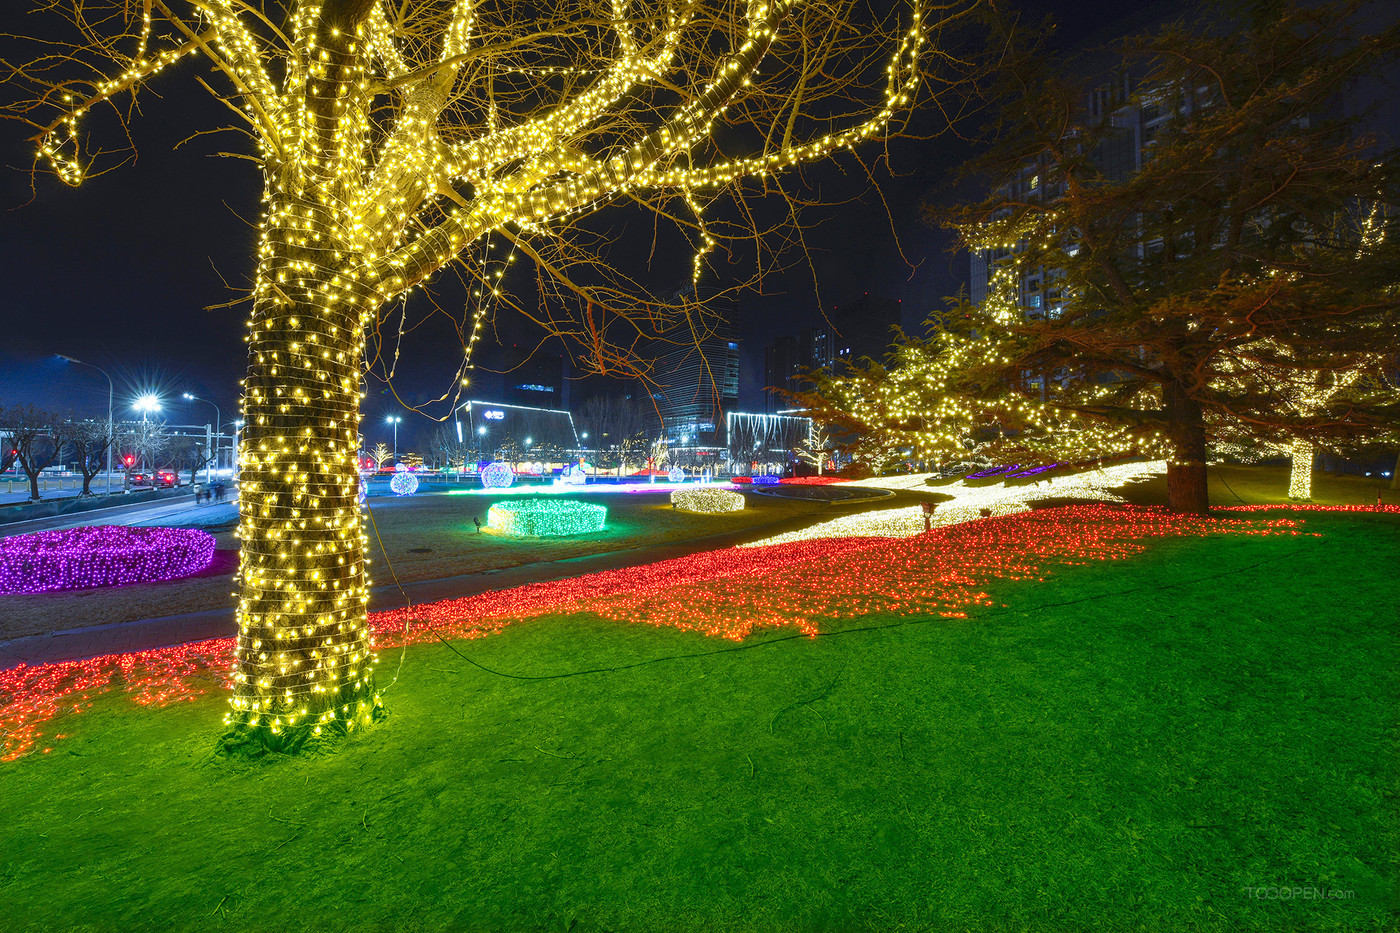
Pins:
x: 497, y: 475
x: 677, y: 475
x: 403, y: 483
x: 546, y: 518
x: 766, y: 480
x: 102, y: 555
x: 707, y: 499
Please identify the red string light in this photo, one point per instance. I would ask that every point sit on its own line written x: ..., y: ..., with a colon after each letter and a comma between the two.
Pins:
x: 728, y: 593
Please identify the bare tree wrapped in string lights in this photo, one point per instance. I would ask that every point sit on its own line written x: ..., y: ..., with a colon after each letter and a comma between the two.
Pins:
x: 396, y: 137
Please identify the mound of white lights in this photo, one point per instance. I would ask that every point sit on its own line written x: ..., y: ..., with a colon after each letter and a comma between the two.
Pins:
x: 968, y: 502
x: 403, y: 483
x: 497, y: 475
x: 677, y: 475
x: 546, y: 518
x: 707, y: 499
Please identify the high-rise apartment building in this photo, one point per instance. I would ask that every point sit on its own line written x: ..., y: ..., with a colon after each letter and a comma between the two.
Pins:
x: 697, y: 381
x: 1132, y: 123
x: 853, y: 330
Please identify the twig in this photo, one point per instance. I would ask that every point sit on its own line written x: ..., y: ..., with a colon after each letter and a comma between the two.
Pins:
x: 805, y: 701
x: 553, y: 755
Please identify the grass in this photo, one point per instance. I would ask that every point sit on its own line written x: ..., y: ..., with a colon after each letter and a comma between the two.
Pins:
x: 1103, y: 750
x: 1235, y: 484
x: 424, y: 537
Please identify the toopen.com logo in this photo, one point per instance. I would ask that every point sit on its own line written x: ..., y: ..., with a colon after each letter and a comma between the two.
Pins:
x: 1299, y: 893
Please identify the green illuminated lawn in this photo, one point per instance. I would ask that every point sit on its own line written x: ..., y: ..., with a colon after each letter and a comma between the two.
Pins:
x: 1133, y: 759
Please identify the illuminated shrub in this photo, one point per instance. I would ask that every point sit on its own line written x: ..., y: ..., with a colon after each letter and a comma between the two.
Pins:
x: 546, y: 518
x: 707, y: 499
x: 104, y: 555
x: 404, y: 484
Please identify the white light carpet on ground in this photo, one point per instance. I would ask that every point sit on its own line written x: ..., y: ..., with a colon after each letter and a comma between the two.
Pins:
x: 968, y: 502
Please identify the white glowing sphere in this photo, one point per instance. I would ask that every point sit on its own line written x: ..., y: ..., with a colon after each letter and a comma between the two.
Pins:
x: 497, y: 475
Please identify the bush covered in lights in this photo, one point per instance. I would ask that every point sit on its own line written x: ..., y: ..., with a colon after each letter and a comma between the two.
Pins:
x: 104, y: 555
x: 542, y: 518
x: 404, y: 484
x: 707, y: 499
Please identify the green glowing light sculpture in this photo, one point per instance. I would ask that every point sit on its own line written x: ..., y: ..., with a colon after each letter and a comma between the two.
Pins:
x: 541, y: 518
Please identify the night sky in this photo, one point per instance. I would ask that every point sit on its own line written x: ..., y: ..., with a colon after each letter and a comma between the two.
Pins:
x: 117, y: 272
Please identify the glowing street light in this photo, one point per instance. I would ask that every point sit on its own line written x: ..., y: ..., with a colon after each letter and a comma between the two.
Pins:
x: 146, y: 404
x: 394, y: 420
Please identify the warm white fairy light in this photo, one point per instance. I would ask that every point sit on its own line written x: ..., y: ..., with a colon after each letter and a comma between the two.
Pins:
x: 369, y: 190
x: 968, y: 502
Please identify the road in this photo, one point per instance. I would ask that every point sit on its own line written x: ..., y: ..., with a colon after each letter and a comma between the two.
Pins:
x: 127, y: 513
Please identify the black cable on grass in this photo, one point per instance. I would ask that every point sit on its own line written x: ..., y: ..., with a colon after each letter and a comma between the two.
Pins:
x: 995, y: 610
x: 1225, y: 484
x: 408, y: 601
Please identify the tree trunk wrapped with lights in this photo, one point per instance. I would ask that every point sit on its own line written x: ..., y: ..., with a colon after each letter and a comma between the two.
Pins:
x: 393, y: 137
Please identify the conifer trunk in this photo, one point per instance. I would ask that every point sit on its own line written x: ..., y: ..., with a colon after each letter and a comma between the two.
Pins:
x: 1187, y: 489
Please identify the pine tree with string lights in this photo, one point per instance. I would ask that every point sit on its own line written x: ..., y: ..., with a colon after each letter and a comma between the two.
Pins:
x: 1225, y: 247
x: 393, y: 138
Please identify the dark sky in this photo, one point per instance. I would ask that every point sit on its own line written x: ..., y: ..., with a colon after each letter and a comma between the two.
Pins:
x: 117, y: 272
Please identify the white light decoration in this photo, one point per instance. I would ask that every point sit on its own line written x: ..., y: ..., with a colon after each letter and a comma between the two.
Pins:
x: 676, y: 475
x: 497, y: 475
x: 403, y: 483
x: 575, y: 474
x: 707, y: 499
x: 1097, y: 485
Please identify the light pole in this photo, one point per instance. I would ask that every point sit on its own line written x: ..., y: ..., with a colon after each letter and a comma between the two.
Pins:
x: 394, y: 420
x: 111, y: 426
x: 145, y: 404
x: 214, y: 454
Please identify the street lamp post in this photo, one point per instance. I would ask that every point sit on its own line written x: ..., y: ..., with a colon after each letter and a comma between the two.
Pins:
x: 145, y: 404
x: 111, y: 425
x: 394, y: 420
x: 214, y: 454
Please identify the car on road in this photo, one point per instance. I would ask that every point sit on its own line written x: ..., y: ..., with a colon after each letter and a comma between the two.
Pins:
x: 164, y: 479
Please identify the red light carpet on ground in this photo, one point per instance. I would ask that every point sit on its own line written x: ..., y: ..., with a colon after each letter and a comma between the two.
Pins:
x: 727, y: 594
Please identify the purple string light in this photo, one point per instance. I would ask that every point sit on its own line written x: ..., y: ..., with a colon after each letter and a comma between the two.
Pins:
x: 103, y: 555
x: 995, y: 471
